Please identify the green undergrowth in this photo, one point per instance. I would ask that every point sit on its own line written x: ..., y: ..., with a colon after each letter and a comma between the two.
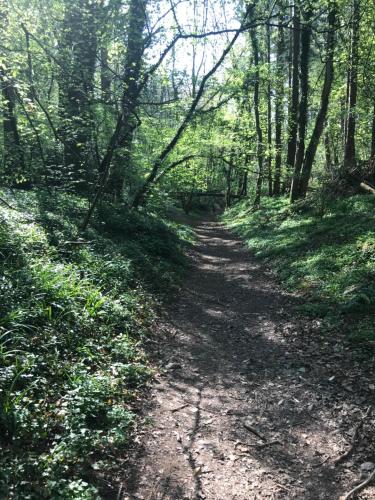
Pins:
x: 73, y: 312
x: 325, y: 252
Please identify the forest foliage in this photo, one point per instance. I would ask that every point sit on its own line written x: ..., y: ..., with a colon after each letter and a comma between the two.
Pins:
x: 130, y: 100
x: 324, y: 253
x: 115, y: 115
x: 74, y: 314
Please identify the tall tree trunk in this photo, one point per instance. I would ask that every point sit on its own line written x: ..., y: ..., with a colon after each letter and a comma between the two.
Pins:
x: 13, y: 154
x: 293, y: 107
x: 78, y: 50
x: 372, y: 155
x: 302, y: 110
x: 328, y: 152
x: 258, y: 190
x: 343, y: 108
x: 346, y: 106
x: 279, y: 103
x: 228, y: 190
x: 244, y: 184
x: 269, y: 114
x: 350, y: 150
x: 324, y: 102
x: 372, y: 152
x: 132, y: 73
x: 105, y: 76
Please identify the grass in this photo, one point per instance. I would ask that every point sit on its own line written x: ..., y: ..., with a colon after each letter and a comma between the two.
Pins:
x: 326, y: 253
x: 72, y: 320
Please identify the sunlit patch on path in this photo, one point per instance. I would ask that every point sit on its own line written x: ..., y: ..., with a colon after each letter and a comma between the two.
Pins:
x: 245, y: 406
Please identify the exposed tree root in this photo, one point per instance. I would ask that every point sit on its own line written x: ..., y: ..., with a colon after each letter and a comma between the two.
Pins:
x: 354, y: 444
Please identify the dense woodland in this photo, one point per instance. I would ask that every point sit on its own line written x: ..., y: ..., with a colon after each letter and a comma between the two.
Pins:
x: 262, y: 98
x: 117, y: 117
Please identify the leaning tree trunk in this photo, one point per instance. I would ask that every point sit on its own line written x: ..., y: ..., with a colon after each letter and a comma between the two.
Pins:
x: 302, y: 111
x: 279, y: 105
x: 154, y: 174
x: 320, y: 119
x: 293, y: 107
x: 258, y: 189
x: 350, y: 149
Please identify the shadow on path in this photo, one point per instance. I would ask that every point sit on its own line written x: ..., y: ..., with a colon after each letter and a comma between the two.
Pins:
x: 236, y: 359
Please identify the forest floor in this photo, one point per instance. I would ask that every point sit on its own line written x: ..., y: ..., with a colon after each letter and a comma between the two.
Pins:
x: 250, y: 401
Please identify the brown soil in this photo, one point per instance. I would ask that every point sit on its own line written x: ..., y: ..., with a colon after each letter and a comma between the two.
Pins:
x: 250, y: 402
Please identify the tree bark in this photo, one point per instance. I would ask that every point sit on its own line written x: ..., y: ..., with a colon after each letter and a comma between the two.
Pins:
x: 293, y: 107
x: 243, y: 192
x: 279, y: 104
x: 350, y: 148
x: 328, y: 152
x: 259, y: 182
x: 228, y: 190
x: 132, y: 73
x: 78, y: 51
x: 269, y: 114
x: 371, y: 169
x: 372, y: 155
x: 303, y: 104
x: 324, y: 102
x: 13, y: 154
x: 105, y: 76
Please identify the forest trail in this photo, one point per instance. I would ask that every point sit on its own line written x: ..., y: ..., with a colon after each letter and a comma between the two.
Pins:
x: 250, y: 404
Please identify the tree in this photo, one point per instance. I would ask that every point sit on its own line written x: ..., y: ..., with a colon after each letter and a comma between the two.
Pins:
x: 269, y: 112
x: 260, y: 148
x: 303, y: 104
x: 350, y: 149
x: 13, y: 154
x: 372, y: 155
x: 131, y: 90
x: 279, y: 102
x: 97, y: 97
x: 294, y: 98
x: 321, y: 117
x: 77, y: 62
x: 155, y: 173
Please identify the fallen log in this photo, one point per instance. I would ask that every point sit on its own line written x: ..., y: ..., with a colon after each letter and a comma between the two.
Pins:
x: 366, y: 187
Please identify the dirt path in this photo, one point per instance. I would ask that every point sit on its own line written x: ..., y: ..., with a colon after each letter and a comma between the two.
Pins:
x: 250, y: 404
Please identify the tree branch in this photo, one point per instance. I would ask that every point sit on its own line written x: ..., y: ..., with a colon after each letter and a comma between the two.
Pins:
x: 138, y: 199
